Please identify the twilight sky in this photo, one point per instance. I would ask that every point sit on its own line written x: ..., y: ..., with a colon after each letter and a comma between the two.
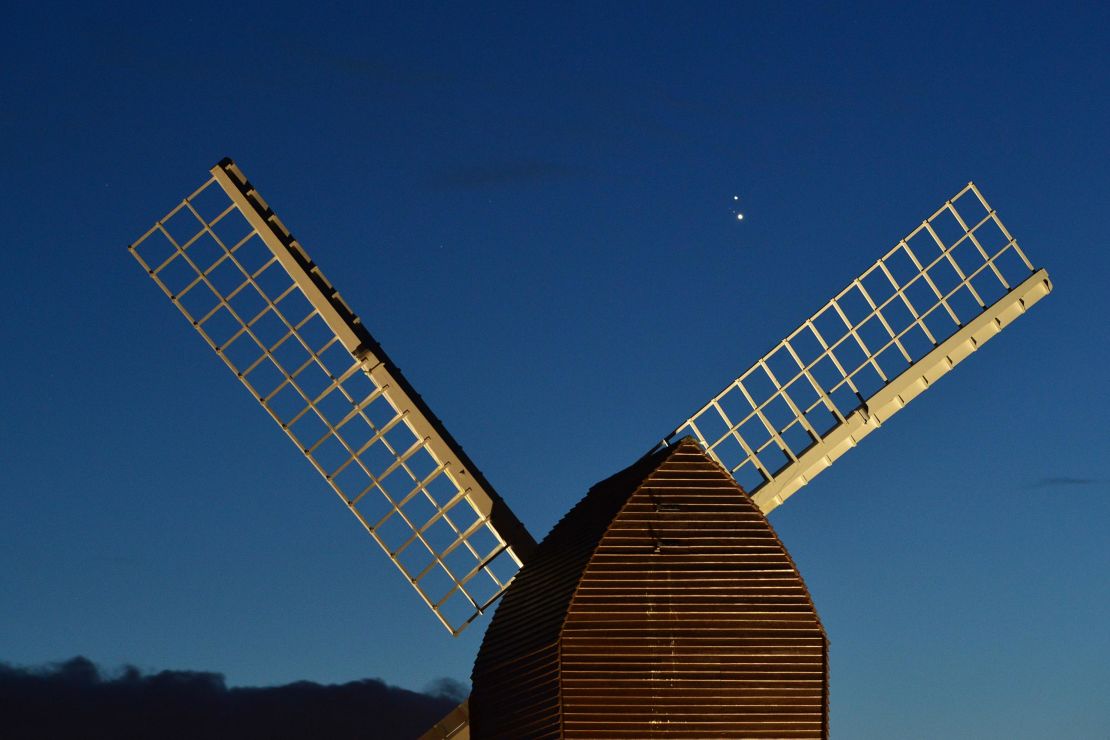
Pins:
x: 531, y: 207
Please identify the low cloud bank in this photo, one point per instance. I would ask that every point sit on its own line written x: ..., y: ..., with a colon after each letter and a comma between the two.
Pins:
x: 75, y: 700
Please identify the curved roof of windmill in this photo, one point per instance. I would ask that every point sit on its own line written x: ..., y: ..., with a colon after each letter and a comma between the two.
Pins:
x: 662, y: 605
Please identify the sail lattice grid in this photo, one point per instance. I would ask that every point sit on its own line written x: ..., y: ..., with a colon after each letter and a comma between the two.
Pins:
x: 348, y: 412
x: 951, y: 284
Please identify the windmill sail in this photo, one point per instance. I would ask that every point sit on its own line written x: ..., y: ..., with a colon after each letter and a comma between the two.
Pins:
x: 953, y: 283
x: 250, y: 290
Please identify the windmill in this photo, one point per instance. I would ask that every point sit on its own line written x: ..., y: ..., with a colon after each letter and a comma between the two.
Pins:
x: 666, y: 571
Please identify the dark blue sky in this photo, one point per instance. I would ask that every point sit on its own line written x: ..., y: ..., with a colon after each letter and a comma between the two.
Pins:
x: 532, y: 210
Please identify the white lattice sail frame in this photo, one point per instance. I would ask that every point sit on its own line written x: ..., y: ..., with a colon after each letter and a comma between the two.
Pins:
x: 953, y: 283
x: 251, y: 291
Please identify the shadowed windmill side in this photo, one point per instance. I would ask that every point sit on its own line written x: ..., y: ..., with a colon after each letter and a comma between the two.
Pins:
x: 626, y: 601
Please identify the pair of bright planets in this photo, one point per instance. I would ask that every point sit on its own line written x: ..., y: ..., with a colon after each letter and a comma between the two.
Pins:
x: 739, y: 215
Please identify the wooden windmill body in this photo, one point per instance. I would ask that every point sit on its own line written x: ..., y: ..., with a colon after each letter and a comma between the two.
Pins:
x: 662, y: 605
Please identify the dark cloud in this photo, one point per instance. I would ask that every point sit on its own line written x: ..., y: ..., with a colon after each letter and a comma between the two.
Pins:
x: 74, y: 699
x: 1064, y: 481
x: 507, y: 173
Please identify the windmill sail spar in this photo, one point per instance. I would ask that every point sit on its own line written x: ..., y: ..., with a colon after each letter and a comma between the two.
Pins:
x: 953, y: 283
x: 250, y: 290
